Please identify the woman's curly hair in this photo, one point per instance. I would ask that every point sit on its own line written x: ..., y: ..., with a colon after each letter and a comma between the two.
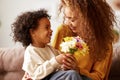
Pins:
x: 26, y: 21
x: 99, y: 19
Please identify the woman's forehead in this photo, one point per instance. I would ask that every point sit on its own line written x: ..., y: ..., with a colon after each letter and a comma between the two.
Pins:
x: 71, y: 12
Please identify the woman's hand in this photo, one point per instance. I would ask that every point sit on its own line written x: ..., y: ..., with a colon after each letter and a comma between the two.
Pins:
x: 69, y: 62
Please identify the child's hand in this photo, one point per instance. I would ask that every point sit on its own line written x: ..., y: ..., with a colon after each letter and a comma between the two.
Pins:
x: 70, y: 63
x: 60, y: 58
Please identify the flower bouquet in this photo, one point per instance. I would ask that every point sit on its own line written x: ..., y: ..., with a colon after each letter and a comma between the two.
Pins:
x: 74, y: 45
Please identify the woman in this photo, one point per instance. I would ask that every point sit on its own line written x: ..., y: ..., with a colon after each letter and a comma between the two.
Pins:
x: 92, y: 20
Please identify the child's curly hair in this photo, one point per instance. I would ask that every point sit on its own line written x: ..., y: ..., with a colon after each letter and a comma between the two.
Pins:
x: 25, y: 22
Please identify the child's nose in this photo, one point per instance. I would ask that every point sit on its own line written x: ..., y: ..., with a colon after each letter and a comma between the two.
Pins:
x: 51, y: 30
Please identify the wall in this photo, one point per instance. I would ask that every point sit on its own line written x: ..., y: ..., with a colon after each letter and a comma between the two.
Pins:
x: 9, y: 9
x: 116, y: 9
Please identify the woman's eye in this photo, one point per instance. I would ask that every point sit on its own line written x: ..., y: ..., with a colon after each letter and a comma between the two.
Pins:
x: 70, y: 19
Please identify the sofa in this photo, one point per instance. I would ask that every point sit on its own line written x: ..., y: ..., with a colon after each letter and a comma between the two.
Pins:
x: 11, y: 60
x: 115, y: 67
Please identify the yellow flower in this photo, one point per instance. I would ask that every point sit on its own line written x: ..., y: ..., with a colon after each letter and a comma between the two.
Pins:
x: 68, y: 39
x: 74, y: 45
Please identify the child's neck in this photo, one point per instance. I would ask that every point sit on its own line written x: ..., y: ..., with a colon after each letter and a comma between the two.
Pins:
x: 39, y: 45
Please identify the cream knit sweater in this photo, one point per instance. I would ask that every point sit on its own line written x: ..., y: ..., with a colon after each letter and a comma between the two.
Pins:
x: 40, y: 62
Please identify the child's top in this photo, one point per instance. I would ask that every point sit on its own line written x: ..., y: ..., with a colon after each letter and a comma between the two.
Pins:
x: 40, y: 62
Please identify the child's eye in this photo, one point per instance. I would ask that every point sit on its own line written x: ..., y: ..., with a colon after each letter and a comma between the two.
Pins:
x: 47, y: 27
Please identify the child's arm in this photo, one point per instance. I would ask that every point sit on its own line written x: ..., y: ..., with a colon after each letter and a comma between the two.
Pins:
x: 59, y: 59
x: 38, y: 67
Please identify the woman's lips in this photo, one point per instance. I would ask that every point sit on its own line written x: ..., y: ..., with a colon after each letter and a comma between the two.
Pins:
x: 73, y: 28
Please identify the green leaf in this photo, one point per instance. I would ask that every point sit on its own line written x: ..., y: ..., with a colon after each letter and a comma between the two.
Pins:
x: 71, y: 50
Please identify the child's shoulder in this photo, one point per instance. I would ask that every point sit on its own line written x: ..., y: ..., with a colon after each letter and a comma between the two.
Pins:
x: 55, y: 51
x: 49, y: 46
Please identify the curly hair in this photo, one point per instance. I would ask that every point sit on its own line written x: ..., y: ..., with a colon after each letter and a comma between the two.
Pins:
x: 25, y: 22
x: 98, y: 30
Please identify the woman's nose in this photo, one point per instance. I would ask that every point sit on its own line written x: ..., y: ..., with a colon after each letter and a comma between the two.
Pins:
x: 68, y: 22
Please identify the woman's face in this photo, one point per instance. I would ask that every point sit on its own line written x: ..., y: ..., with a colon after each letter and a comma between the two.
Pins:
x: 73, y: 19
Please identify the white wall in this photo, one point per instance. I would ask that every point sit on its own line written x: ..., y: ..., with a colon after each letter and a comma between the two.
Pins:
x: 116, y: 46
x: 9, y: 9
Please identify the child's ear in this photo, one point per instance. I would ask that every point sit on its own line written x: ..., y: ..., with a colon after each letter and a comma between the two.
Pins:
x: 31, y: 31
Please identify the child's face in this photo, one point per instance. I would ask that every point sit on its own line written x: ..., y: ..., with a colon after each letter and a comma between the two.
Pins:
x: 116, y: 4
x: 42, y: 34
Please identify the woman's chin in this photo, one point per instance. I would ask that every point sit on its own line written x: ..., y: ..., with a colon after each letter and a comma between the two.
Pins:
x: 74, y: 31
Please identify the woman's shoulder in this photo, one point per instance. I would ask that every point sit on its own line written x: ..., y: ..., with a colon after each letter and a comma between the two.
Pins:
x: 62, y: 27
x: 109, y: 50
x: 64, y: 30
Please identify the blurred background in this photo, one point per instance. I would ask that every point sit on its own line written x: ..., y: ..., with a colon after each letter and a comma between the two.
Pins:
x: 10, y: 9
x: 115, y: 4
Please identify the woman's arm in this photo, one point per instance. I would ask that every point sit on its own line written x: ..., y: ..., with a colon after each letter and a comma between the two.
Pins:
x: 100, y: 69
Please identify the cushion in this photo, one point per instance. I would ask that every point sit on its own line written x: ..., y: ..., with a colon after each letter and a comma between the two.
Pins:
x: 11, y: 60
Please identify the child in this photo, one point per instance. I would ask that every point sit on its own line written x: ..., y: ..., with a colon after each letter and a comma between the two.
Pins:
x: 41, y: 61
